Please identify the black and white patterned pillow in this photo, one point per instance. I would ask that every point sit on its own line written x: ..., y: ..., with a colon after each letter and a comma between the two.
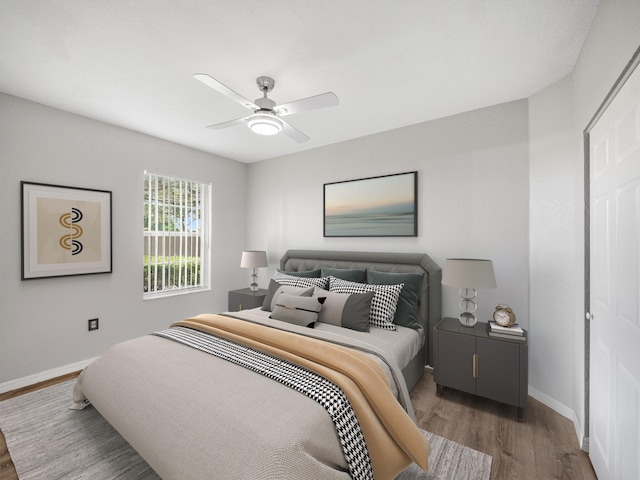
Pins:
x: 383, y: 304
x: 295, y: 281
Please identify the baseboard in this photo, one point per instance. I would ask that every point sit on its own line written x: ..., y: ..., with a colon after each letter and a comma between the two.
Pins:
x: 563, y: 410
x: 43, y: 376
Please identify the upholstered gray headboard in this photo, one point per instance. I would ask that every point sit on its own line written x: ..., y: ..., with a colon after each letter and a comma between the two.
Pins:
x: 429, y: 303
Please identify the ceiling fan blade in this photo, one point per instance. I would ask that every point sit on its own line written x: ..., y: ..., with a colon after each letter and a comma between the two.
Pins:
x: 230, y: 123
x: 224, y: 90
x: 323, y: 100
x: 293, y: 133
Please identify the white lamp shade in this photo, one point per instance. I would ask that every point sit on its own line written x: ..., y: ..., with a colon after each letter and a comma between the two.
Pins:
x: 253, y: 259
x: 468, y: 273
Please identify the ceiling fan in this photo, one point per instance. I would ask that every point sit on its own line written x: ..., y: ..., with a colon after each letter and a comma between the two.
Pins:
x: 265, y: 119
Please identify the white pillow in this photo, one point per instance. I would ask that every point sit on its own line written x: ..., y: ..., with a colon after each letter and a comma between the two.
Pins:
x: 383, y: 304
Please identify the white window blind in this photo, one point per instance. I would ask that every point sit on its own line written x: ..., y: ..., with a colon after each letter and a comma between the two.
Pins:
x: 176, y: 235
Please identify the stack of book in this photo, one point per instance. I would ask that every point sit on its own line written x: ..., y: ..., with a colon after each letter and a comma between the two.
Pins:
x: 514, y: 333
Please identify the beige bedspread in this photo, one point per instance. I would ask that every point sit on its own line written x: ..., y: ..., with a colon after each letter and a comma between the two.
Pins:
x: 191, y: 415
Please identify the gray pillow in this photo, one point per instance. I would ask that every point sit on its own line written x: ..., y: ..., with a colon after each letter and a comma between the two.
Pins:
x: 308, y: 273
x: 345, y: 310
x: 301, y: 311
x: 275, y: 290
x: 408, y: 301
x: 351, y: 274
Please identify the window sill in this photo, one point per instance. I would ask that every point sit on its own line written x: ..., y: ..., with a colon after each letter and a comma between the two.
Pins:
x: 173, y: 293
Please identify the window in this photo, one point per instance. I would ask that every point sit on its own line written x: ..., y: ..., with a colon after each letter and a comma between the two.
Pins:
x: 177, y: 226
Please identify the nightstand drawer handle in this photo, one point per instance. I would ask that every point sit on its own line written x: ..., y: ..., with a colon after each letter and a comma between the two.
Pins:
x: 475, y: 365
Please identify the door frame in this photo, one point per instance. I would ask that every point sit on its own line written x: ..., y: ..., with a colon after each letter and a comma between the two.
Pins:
x: 611, y: 95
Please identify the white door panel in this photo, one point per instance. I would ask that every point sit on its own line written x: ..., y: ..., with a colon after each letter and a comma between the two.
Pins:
x: 628, y: 212
x: 600, y: 431
x: 628, y: 408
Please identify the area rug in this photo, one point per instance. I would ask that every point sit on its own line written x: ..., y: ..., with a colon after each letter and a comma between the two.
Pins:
x: 48, y: 440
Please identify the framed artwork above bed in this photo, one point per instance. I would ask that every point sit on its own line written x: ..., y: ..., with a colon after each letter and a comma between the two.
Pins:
x: 385, y: 206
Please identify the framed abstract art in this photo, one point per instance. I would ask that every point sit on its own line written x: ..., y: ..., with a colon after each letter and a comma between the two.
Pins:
x: 65, y: 231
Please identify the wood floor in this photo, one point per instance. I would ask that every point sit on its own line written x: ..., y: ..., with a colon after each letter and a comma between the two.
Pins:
x: 543, y: 447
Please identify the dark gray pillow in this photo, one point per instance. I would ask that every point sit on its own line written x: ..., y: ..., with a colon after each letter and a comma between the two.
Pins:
x: 308, y: 273
x: 351, y: 274
x: 345, y: 310
x: 407, y: 308
x: 298, y: 310
x: 275, y: 290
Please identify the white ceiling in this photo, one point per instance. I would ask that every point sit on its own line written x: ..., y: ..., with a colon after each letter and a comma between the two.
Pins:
x: 391, y: 63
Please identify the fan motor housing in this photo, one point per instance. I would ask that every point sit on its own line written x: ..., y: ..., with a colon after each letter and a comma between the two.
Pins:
x: 265, y: 84
x: 265, y: 103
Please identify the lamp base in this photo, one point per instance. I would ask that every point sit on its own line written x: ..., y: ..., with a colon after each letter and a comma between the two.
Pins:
x: 468, y: 306
x: 254, y: 284
x: 467, y: 319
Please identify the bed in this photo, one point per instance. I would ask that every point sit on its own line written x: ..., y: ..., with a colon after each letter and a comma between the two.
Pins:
x: 254, y: 394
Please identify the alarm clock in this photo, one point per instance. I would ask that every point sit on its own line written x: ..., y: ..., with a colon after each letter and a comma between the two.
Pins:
x: 504, y: 316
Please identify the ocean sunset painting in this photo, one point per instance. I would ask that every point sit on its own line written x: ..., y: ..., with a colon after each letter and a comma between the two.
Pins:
x: 372, y: 207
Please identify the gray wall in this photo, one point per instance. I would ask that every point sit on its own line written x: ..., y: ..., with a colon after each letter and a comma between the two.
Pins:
x: 43, y: 323
x: 473, y: 198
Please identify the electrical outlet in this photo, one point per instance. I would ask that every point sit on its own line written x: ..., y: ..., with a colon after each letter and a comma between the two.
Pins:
x: 93, y: 324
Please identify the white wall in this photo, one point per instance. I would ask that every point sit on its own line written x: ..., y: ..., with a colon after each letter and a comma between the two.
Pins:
x: 555, y: 247
x: 473, y: 197
x: 43, y: 322
x: 558, y: 116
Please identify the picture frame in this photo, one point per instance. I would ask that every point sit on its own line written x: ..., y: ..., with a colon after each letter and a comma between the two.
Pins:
x: 65, y: 231
x: 383, y: 206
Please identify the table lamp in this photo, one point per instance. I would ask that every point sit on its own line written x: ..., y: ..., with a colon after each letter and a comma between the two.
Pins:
x: 254, y: 259
x: 468, y: 274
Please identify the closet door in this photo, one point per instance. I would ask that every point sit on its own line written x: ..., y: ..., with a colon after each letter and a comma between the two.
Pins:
x: 614, y: 419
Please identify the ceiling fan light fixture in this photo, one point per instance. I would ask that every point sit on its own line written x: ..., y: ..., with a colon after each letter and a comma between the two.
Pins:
x: 264, y: 124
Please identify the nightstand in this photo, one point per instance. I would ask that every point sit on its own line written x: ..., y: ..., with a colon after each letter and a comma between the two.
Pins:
x: 468, y: 359
x: 244, y: 298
